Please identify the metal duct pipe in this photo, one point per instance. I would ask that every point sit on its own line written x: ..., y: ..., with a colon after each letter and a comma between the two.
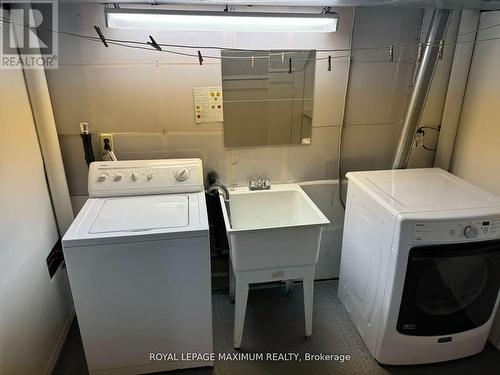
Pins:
x: 423, y: 80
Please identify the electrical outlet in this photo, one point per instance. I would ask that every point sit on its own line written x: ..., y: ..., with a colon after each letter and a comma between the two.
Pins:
x: 106, y: 142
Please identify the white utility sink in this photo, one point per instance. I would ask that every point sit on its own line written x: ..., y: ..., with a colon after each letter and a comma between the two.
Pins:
x: 273, y: 235
x: 280, y: 227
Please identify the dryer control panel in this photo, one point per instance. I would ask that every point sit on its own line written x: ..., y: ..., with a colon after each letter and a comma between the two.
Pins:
x: 142, y: 177
x: 453, y: 231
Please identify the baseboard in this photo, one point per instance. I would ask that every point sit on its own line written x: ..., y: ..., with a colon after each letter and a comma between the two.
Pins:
x: 60, y: 343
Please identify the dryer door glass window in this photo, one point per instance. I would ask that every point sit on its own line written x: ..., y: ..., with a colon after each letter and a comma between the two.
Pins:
x: 449, y: 288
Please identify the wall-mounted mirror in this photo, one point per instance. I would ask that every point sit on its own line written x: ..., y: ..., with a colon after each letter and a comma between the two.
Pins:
x: 265, y: 103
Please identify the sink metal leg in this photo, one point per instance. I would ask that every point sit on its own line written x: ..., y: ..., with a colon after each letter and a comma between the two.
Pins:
x: 289, y: 287
x: 239, y: 311
x: 244, y: 278
x: 232, y: 282
x: 308, y: 286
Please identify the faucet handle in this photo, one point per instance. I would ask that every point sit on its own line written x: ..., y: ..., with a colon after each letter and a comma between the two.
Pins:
x: 261, y: 183
x: 264, y: 183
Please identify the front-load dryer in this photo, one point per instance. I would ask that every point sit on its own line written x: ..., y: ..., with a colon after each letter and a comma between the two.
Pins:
x: 420, y: 265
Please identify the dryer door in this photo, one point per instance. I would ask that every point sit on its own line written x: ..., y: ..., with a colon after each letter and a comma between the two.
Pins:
x: 449, y: 288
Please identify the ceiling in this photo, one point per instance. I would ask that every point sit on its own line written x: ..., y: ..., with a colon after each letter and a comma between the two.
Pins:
x: 462, y: 4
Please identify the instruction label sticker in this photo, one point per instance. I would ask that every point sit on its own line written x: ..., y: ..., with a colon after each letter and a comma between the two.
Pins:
x: 208, y: 104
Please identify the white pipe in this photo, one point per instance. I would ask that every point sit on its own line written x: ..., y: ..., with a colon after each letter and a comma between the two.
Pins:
x: 459, y: 75
x: 41, y: 107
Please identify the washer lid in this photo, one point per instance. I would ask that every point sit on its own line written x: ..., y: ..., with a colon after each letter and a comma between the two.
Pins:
x: 141, y: 214
x: 103, y: 221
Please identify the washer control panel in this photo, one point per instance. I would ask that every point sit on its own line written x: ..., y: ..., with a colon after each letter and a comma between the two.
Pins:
x: 141, y: 177
x: 452, y: 231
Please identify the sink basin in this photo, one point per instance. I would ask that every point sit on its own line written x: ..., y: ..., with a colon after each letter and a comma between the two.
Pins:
x: 274, y: 235
x: 275, y: 228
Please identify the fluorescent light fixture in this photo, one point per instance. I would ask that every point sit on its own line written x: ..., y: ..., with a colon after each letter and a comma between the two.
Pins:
x: 159, y: 19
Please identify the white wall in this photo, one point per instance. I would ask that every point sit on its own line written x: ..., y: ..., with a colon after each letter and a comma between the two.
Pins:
x: 378, y: 88
x: 456, y: 88
x: 325, y: 194
x: 34, y: 310
x: 476, y: 156
x: 145, y: 98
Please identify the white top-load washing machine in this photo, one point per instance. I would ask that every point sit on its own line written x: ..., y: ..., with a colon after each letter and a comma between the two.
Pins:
x: 420, y: 265
x: 138, y: 262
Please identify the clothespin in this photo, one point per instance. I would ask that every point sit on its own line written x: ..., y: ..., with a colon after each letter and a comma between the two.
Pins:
x: 253, y: 61
x: 282, y: 57
x: 290, y: 65
x: 153, y: 44
x: 441, y: 48
x: 329, y: 63
x: 99, y: 32
x: 200, y: 58
x: 391, y: 53
x: 419, y: 52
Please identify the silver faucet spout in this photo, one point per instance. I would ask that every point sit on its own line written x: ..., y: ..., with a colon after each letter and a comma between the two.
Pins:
x: 221, y: 188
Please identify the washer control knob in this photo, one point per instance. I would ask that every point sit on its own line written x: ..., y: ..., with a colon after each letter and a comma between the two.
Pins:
x: 470, y: 231
x: 181, y: 174
x: 118, y: 176
x: 149, y: 175
x: 134, y: 176
x: 102, y: 177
